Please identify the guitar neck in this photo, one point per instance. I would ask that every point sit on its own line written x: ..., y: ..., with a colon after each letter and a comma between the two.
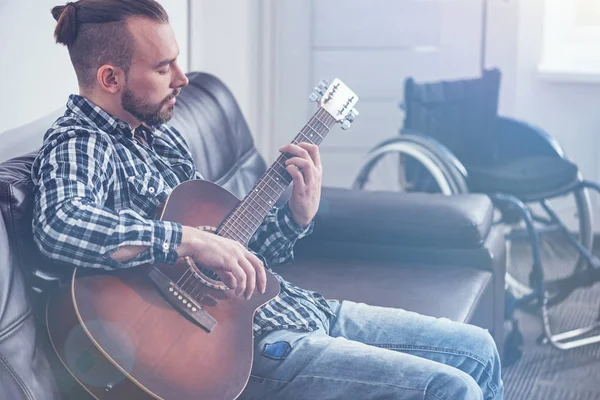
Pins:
x: 245, y: 219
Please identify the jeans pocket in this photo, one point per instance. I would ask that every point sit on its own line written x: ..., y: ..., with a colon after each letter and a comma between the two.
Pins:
x: 277, y: 350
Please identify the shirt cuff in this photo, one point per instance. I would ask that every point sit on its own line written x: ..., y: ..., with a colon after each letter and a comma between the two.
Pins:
x: 290, y: 228
x: 166, y: 238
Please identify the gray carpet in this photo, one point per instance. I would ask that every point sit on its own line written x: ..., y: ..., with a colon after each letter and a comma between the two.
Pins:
x: 543, y: 372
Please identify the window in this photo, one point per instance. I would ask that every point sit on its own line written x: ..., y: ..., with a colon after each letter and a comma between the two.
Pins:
x: 571, y: 39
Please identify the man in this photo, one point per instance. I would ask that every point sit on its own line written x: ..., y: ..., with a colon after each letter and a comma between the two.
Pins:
x: 111, y: 159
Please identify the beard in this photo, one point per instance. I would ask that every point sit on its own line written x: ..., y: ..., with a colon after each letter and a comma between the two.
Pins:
x: 151, y: 114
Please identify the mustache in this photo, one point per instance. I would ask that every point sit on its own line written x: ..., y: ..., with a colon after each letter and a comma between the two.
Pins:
x: 172, y: 95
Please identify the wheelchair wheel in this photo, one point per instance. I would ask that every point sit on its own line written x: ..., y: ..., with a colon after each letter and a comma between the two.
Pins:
x: 406, y: 164
x: 560, y: 259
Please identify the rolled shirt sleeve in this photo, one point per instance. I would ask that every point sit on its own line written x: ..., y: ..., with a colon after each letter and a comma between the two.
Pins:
x: 276, y: 237
x: 73, y: 175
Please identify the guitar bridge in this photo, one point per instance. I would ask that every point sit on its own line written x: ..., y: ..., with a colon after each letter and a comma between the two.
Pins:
x: 182, y: 301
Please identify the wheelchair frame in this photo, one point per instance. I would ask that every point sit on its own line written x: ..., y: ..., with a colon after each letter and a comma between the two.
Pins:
x: 452, y: 177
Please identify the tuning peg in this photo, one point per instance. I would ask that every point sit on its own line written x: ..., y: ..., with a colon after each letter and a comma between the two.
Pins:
x: 352, y: 114
x: 321, y: 87
x: 315, y: 96
x: 346, y: 124
x: 323, y: 84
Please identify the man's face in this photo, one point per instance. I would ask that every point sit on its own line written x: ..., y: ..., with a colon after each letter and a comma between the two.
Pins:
x: 154, y: 78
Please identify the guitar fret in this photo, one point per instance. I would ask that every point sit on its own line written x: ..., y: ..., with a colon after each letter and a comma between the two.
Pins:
x: 233, y: 232
x: 280, y: 164
x: 308, y: 139
x: 275, y: 191
x: 234, y: 220
x: 282, y: 177
x: 255, y: 209
x: 315, y: 131
x: 251, y: 198
x: 276, y: 181
x: 239, y: 216
x: 322, y: 123
x: 265, y: 192
x: 279, y: 187
x: 247, y: 217
x: 244, y: 207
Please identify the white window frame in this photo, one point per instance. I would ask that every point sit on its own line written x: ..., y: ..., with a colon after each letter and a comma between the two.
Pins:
x: 570, y: 52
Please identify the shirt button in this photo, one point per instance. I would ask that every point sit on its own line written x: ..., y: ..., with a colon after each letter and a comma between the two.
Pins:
x: 165, y: 246
x: 151, y: 190
x: 121, y: 125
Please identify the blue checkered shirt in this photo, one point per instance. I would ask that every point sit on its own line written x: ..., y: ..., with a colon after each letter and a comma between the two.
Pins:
x: 97, y: 189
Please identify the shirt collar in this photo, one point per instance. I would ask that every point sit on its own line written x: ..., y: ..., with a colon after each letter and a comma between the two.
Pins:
x: 96, y: 116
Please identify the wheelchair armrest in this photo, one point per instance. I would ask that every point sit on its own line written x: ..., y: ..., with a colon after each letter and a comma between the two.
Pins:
x: 421, y: 220
x: 518, y: 139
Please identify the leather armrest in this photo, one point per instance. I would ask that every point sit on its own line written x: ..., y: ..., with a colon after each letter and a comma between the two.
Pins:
x: 407, y: 220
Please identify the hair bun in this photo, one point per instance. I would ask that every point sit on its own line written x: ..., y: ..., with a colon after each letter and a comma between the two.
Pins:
x: 66, y: 27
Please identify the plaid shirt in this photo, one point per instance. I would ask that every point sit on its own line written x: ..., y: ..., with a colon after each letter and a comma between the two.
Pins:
x: 97, y: 189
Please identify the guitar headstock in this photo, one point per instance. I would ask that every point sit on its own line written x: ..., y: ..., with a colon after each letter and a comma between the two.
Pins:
x: 338, y: 100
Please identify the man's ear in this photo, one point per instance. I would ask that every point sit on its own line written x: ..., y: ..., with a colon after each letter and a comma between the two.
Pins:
x: 111, y: 78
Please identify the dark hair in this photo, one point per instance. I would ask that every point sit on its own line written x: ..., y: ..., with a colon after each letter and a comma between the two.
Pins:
x: 95, y: 32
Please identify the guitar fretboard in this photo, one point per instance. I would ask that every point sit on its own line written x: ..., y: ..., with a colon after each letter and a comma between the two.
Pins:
x: 245, y: 219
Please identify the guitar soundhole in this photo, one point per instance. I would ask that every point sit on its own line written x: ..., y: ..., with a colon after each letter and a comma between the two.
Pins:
x: 205, y: 276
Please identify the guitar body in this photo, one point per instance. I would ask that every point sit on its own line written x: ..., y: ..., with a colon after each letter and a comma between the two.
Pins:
x: 121, y: 339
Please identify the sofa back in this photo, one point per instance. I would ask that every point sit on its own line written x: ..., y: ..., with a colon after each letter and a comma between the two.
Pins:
x: 25, y: 372
x: 208, y: 116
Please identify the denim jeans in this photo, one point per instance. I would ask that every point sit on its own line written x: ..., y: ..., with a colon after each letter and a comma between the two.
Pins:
x: 368, y: 352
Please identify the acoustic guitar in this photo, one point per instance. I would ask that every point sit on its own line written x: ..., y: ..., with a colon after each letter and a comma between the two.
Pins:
x: 175, y: 331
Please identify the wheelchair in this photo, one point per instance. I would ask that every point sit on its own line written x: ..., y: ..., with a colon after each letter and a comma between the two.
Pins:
x: 453, y: 141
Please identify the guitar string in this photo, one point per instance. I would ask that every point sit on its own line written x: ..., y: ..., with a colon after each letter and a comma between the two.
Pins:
x: 265, y: 180
x: 243, y: 210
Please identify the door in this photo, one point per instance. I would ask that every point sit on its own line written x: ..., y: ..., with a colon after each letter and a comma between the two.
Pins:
x: 372, y: 46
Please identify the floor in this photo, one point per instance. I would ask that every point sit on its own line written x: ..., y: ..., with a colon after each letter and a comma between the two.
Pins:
x: 543, y: 372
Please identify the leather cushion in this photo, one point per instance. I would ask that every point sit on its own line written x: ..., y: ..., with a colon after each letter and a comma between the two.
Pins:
x: 16, y: 206
x: 25, y: 372
x: 416, y: 219
x: 434, y: 290
x: 527, y: 176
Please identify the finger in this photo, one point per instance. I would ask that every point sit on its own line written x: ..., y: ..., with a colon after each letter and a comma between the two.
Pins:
x: 297, y: 176
x: 313, y: 151
x: 227, y: 278
x: 261, y: 273
x: 239, y: 274
x: 305, y: 167
x: 250, y: 277
x: 301, y: 163
x: 295, y: 150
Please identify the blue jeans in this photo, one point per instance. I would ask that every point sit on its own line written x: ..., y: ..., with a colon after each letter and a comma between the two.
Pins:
x: 368, y: 352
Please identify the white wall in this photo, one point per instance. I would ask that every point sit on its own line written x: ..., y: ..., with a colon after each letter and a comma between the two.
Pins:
x: 225, y: 36
x: 568, y: 110
x: 36, y: 73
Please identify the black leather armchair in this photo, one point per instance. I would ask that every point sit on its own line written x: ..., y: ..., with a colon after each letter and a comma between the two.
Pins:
x: 427, y: 253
